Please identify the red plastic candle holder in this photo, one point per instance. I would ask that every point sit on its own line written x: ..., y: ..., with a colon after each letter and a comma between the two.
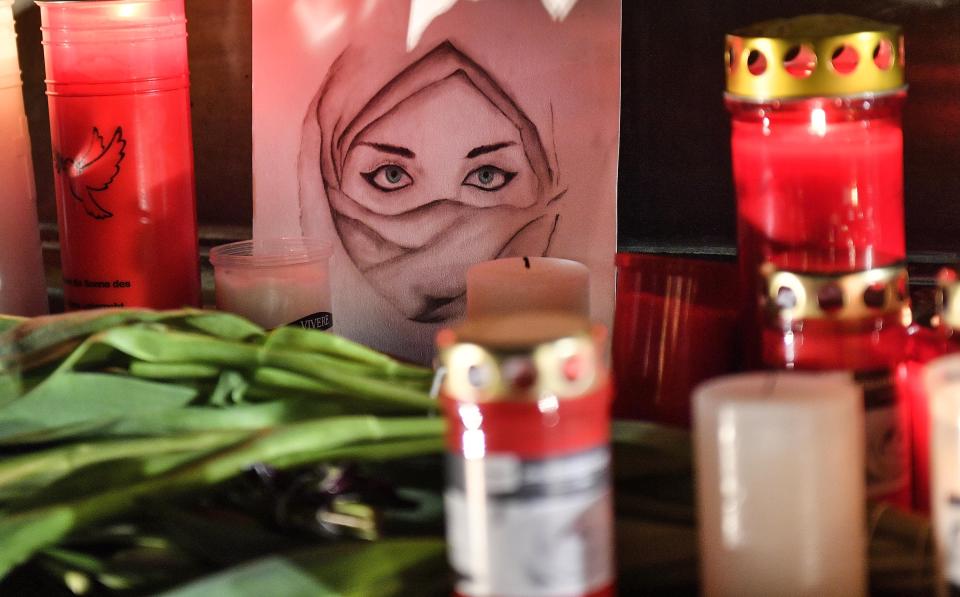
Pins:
x: 528, y: 498
x: 675, y: 326
x: 118, y: 91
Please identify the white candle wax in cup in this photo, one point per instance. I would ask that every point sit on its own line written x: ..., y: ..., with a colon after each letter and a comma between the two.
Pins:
x: 780, y: 487
x: 519, y: 284
x: 275, y: 282
x: 23, y: 289
x: 943, y: 389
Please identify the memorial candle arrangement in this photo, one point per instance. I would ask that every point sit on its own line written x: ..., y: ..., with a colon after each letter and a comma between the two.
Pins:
x: 23, y: 288
x: 817, y: 160
x: 118, y: 90
x: 528, y: 499
x: 780, y: 499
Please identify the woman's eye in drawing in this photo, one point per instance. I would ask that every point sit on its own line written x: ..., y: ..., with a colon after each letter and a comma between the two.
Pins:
x: 489, y: 178
x: 388, y: 178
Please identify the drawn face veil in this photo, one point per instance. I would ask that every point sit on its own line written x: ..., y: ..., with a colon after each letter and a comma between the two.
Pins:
x: 427, y: 172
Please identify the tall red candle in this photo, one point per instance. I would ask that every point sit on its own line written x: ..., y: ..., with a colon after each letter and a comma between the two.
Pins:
x: 817, y: 148
x: 528, y: 499
x: 118, y: 91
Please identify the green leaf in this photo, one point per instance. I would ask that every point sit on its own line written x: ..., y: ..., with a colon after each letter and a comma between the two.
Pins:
x: 157, y: 346
x: 68, y: 398
x: 235, y: 417
x: 44, y: 339
x: 21, y: 476
x: 223, y: 325
x: 9, y: 322
x: 230, y: 389
x: 22, y: 535
x: 173, y: 371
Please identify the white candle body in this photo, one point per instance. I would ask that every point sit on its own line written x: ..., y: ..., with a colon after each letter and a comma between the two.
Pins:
x: 23, y: 288
x: 518, y: 284
x: 943, y: 389
x: 780, y: 487
x: 276, y: 296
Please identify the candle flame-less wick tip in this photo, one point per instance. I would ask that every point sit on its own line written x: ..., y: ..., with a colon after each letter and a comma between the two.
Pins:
x: 526, y: 262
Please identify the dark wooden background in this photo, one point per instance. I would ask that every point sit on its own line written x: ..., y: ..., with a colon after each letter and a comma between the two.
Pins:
x: 675, y: 189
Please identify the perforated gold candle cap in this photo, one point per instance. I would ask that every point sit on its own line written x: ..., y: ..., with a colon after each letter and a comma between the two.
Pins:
x: 792, y: 296
x: 520, y: 357
x: 814, y: 56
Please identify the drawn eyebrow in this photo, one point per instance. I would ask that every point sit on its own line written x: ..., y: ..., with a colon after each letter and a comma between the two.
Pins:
x: 488, y: 148
x: 394, y: 149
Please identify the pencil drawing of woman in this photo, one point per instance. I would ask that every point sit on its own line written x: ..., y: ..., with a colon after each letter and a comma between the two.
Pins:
x: 437, y: 170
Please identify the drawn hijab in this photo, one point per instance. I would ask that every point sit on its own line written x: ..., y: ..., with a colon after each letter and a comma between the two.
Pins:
x: 434, y: 170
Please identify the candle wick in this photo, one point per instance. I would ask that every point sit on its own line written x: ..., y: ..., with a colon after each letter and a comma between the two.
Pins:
x: 526, y: 262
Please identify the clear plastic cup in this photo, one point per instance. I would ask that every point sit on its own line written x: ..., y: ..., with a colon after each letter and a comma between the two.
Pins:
x: 275, y: 282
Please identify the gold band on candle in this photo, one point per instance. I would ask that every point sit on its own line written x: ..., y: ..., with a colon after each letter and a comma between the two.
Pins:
x: 792, y: 296
x: 519, y: 357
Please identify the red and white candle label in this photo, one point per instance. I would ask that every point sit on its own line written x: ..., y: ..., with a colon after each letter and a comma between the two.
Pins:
x: 538, y: 528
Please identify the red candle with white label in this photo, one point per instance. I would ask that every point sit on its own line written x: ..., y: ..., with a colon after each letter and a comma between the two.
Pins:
x: 118, y: 91
x: 528, y: 499
x: 856, y: 322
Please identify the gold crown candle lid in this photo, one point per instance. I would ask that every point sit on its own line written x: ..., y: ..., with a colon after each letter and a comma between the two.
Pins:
x: 814, y: 56
x: 520, y: 357
x: 792, y: 296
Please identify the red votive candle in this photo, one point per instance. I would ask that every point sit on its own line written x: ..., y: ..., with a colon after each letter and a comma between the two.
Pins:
x: 817, y: 147
x: 675, y: 326
x: 857, y: 322
x: 528, y: 498
x: 118, y: 91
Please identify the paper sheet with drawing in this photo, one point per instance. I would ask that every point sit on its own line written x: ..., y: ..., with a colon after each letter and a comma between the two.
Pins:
x: 494, y: 135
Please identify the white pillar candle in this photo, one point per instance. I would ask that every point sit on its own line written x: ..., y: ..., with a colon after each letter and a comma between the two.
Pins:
x: 519, y: 284
x: 23, y: 289
x: 780, y: 487
x: 943, y: 389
